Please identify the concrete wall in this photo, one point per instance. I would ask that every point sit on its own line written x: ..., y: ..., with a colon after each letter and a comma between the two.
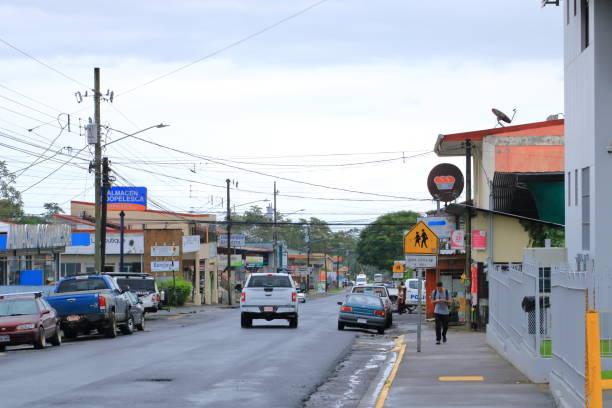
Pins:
x: 509, y: 239
x: 588, y: 130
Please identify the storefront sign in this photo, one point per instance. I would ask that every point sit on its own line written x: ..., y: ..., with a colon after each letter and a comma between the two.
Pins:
x: 254, y: 261
x: 237, y: 240
x: 236, y: 261
x: 132, y: 244
x: 441, y: 226
x: 445, y: 182
x: 165, y: 266
x: 33, y: 236
x: 167, y: 250
x: 127, y: 199
x: 479, y: 239
x: 191, y: 243
x: 457, y: 239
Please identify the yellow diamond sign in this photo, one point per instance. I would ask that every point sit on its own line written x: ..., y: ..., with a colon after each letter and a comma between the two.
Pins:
x: 421, y: 240
x: 398, y: 268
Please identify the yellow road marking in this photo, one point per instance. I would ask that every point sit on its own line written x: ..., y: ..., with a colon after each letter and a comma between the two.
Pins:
x: 462, y: 378
x: 382, y: 397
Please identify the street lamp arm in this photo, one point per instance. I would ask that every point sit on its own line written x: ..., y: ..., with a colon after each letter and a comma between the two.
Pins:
x: 161, y: 125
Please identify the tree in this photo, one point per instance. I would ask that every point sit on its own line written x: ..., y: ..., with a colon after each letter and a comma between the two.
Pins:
x: 379, y: 244
x: 11, y: 204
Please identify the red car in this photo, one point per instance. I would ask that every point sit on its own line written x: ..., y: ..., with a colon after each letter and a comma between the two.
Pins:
x: 26, y: 318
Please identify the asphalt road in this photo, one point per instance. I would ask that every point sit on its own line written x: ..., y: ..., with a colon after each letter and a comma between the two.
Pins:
x: 199, y: 360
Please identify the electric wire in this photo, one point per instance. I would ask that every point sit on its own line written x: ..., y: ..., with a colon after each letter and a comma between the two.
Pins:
x: 225, y: 48
x: 53, y: 172
x: 277, y: 177
x: 41, y: 62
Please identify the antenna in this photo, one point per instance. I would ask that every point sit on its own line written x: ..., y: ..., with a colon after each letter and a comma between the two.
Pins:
x: 501, y: 116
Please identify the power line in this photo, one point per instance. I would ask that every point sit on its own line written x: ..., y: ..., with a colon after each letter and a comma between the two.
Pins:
x: 54, y: 171
x: 41, y: 62
x: 277, y: 177
x: 280, y: 194
x: 227, y: 47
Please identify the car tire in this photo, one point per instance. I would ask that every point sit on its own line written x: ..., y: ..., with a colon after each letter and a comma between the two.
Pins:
x: 293, y: 323
x: 391, y: 320
x: 56, y: 340
x: 340, y: 326
x: 141, y: 326
x: 245, y: 322
x: 111, y: 330
x: 381, y: 330
x: 128, y: 327
x: 41, y: 343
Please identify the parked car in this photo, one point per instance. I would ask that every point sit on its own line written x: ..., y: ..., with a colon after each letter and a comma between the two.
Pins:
x: 26, y: 318
x: 87, y: 302
x: 269, y: 296
x: 142, y: 285
x: 412, y: 294
x: 137, y: 310
x: 301, y: 295
x: 382, y: 292
x: 364, y: 311
x: 362, y: 279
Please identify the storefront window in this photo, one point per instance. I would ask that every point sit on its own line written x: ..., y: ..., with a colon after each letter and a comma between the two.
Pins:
x: 71, y: 269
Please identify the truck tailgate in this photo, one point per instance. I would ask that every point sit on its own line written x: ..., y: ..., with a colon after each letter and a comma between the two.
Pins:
x: 268, y: 296
x: 75, y: 304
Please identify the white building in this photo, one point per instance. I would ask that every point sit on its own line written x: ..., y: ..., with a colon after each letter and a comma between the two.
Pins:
x: 588, y: 215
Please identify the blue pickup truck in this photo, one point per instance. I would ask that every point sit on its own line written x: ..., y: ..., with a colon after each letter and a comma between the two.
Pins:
x: 87, y: 302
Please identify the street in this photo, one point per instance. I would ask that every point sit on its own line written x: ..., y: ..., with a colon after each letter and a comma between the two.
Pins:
x: 193, y: 360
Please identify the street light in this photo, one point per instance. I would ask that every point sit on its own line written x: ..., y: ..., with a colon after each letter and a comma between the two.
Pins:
x: 161, y: 125
x: 251, y: 202
x: 295, y: 212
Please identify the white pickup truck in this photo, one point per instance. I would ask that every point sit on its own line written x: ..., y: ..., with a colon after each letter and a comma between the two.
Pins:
x: 269, y: 296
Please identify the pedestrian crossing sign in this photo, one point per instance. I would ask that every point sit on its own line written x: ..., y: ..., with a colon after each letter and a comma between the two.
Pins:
x: 421, y: 240
x: 398, y: 267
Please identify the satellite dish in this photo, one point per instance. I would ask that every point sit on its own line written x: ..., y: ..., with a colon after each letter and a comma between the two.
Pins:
x: 501, y: 116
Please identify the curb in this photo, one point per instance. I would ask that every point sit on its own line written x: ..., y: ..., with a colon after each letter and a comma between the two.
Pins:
x: 377, y: 392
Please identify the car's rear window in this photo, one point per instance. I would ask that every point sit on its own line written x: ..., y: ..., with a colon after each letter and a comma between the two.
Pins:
x: 137, y: 285
x: 18, y: 307
x: 266, y: 281
x: 370, y: 291
x: 364, y: 300
x: 79, y: 285
x: 413, y: 284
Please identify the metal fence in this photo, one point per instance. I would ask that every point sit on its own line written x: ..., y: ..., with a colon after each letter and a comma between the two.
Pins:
x: 519, y: 307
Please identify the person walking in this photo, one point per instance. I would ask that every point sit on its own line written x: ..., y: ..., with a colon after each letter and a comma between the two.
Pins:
x: 441, y: 299
x: 401, y: 298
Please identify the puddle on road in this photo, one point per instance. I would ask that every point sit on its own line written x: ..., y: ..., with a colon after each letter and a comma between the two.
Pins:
x: 351, y: 379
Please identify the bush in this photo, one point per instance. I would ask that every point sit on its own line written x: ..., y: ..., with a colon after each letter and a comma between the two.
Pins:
x: 176, y: 296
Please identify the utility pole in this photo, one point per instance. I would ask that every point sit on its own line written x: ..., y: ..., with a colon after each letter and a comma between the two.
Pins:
x: 98, y: 175
x: 468, y: 228
x: 106, y: 183
x: 275, y: 245
x: 121, y: 241
x: 308, y: 258
x: 229, y: 252
x: 419, y: 272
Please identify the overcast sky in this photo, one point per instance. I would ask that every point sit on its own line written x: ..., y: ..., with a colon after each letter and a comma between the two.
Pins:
x: 345, y: 77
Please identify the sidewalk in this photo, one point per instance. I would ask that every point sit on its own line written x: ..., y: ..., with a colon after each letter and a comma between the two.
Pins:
x: 418, y: 383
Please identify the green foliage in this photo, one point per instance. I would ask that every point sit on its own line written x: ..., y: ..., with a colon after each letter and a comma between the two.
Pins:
x: 539, y: 232
x: 176, y: 296
x: 302, y: 234
x: 379, y: 245
x: 11, y: 204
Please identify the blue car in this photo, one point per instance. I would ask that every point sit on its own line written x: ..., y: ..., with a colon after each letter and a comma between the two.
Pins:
x: 364, y: 311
